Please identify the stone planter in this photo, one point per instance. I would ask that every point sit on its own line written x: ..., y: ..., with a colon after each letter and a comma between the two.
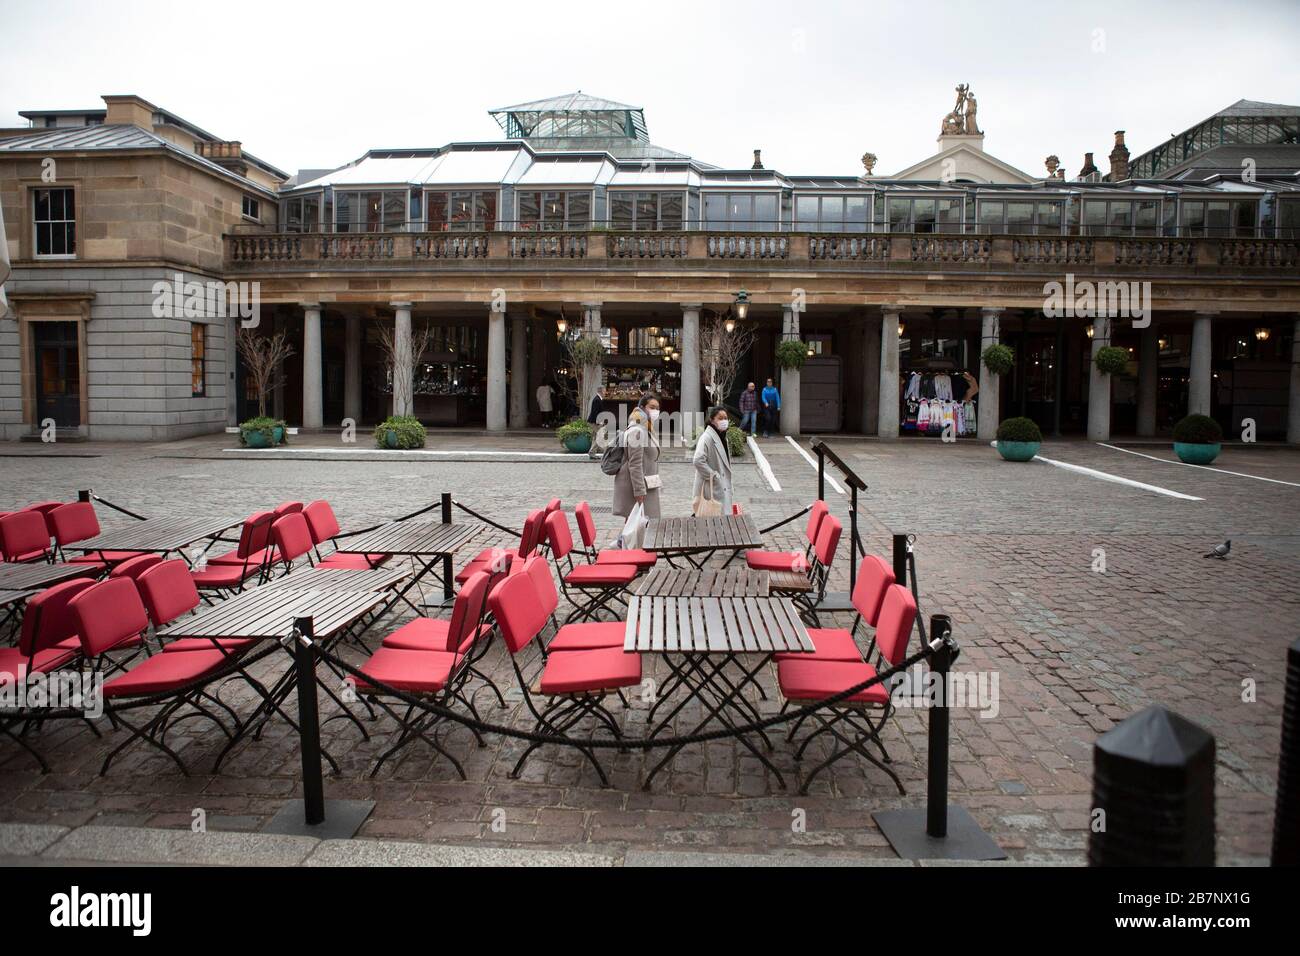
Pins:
x: 1197, y: 454
x: 390, y: 439
x: 578, y: 444
x: 1018, y: 450
x: 279, y: 434
x: 257, y: 439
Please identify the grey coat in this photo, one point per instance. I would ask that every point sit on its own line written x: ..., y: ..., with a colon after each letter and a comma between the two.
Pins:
x: 640, y: 458
x: 711, y: 461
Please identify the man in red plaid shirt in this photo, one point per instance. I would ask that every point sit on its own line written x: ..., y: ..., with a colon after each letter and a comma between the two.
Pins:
x: 749, y: 410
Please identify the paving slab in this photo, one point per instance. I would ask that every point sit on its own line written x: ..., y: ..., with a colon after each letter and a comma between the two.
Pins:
x: 170, y: 847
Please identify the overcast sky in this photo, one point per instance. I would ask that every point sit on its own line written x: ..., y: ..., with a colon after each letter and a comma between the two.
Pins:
x: 813, y: 84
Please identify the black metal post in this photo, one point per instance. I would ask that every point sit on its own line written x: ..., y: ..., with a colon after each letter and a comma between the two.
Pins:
x: 313, y: 784
x: 855, y: 544
x: 900, y: 559
x: 821, y: 472
x: 1286, y: 814
x: 1153, y: 793
x: 446, y: 558
x: 83, y: 495
x: 936, y: 795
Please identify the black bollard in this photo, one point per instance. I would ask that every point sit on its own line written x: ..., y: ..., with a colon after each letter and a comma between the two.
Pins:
x: 1286, y: 813
x: 447, y: 578
x: 1153, y: 793
x: 936, y: 793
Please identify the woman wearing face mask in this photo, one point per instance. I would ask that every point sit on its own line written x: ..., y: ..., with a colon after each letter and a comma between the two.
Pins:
x: 638, y: 482
x: 713, y: 460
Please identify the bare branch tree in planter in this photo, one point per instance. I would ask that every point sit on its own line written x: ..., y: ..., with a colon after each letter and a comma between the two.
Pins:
x: 402, y: 367
x: 264, y: 357
x: 722, y: 353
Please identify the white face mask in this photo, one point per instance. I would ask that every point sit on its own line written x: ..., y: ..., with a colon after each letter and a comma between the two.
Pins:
x: 654, y: 415
x: 722, y: 425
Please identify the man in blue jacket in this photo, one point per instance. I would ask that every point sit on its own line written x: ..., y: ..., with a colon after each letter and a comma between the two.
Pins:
x: 771, y: 399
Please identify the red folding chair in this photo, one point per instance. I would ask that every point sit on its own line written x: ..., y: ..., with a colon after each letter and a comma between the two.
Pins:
x: 588, y: 636
x: 837, y: 644
x: 324, y: 526
x: 288, y: 508
x: 70, y: 523
x: 591, y: 588
x: 292, y: 538
x: 110, y: 614
x: 243, y: 552
x: 24, y: 537
x: 639, y: 558
x: 134, y: 567
x: 252, y: 552
x: 574, y: 683
x: 425, y: 671
x: 850, y: 722
x: 48, y: 641
x: 762, y: 560
x: 500, y: 559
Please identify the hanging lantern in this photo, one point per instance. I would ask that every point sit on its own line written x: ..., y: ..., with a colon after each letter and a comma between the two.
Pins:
x: 729, y: 324
x: 742, y: 305
x: 901, y: 328
x: 561, y: 326
x: 1262, y: 333
x: 1090, y: 331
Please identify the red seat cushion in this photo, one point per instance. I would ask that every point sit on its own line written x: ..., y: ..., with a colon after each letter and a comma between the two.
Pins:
x: 428, y: 634
x: 13, y: 662
x: 164, y: 672
x: 832, y: 643
x: 633, y: 556
x: 357, y: 562
x: 776, y: 560
x: 415, y: 671
x: 601, y: 574
x: 222, y: 576
x: 29, y: 556
x: 589, y: 671
x: 817, y: 680
x: 586, y: 637
x: 232, y: 557
x: 103, y: 557
x: 231, y: 644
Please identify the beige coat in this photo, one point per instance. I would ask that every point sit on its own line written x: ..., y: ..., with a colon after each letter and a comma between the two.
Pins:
x: 640, y: 459
x: 711, y: 461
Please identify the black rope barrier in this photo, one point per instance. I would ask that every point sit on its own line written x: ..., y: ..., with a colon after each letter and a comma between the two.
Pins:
x: 500, y: 527
x: 785, y: 521
x: 89, y: 495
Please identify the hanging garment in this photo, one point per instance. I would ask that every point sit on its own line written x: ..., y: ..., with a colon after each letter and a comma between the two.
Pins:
x: 949, y: 420
x: 923, y: 416
x: 913, y: 386
x: 909, y: 416
x: 943, y: 387
x: 959, y: 416
x: 970, y: 417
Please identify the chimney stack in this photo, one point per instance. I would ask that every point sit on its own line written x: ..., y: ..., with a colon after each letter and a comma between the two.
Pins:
x: 1089, y: 167
x: 129, y: 110
x: 1119, y: 159
x: 758, y: 159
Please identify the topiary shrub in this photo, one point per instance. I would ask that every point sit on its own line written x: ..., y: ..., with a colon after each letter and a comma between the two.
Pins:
x: 1111, y: 360
x: 406, y: 430
x: 1019, y: 429
x: 791, y: 354
x: 574, y: 428
x: 998, y: 359
x: 1198, y: 430
x: 264, y: 426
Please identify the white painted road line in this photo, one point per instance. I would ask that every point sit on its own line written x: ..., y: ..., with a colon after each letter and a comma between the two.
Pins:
x: 813, y: 461
x: 763, y: 465
x: 397, y: 454
x: 1221, y: 471
x: 1105, y: 476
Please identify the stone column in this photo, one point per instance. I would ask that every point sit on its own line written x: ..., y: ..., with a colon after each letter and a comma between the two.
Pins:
x: 352, y: 369
x: 1098, y: 384
x: 987, y: 412
x: 518, y: 372
x: 790, y: 377
x: 1293, y: 411
x: 590, y: 322
x: 871, y: 362
x: 691, y: 401
x: 313, y: 401
x: 887, y: 393
x: 1200, y: 378
x: 1148, y: 378
x: 403, y: 383
x: 496, y: 370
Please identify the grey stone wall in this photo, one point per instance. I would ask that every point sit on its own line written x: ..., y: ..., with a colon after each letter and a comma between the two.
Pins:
x: 138, y: 365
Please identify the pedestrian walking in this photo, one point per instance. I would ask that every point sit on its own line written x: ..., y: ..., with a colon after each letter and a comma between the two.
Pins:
x: 749, y: 410
x: 771, y: 399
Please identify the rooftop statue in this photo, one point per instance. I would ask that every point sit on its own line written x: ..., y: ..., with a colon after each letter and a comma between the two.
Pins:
x: 961, y: 121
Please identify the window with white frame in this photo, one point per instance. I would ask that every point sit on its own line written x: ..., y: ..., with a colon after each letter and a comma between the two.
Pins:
x: 831, y: 213
x: 1218, y: 217
x: 461, y: 211
x: 252, y: 209
x: 742, y: 212
x: 646, y: 210
x: 54, y: 222
x: 554, y: 210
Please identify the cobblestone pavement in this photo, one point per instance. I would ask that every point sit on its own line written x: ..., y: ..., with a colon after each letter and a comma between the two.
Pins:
x: 1011, y: 551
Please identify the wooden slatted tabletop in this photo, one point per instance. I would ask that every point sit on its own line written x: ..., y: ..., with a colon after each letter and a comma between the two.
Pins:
x: 158, y: 535
x: 269, y: 613
x: 340, y: 579
x: 33, y: 577
x: 14, y: 597
x: 411, y: 538
x: 714, y: 625
x: 695, y: 535
x: 687, y: 582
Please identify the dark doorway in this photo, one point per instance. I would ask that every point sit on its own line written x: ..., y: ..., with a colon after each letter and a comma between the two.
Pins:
x: 57, y: 364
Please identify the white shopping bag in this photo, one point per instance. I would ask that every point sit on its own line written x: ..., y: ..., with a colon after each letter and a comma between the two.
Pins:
x: 633, y: 529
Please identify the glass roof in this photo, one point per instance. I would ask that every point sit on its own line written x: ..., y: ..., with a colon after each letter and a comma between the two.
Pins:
x: 573, y: 115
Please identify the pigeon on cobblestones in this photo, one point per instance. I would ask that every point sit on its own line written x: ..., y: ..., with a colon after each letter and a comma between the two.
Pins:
x: 1221, y: 552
